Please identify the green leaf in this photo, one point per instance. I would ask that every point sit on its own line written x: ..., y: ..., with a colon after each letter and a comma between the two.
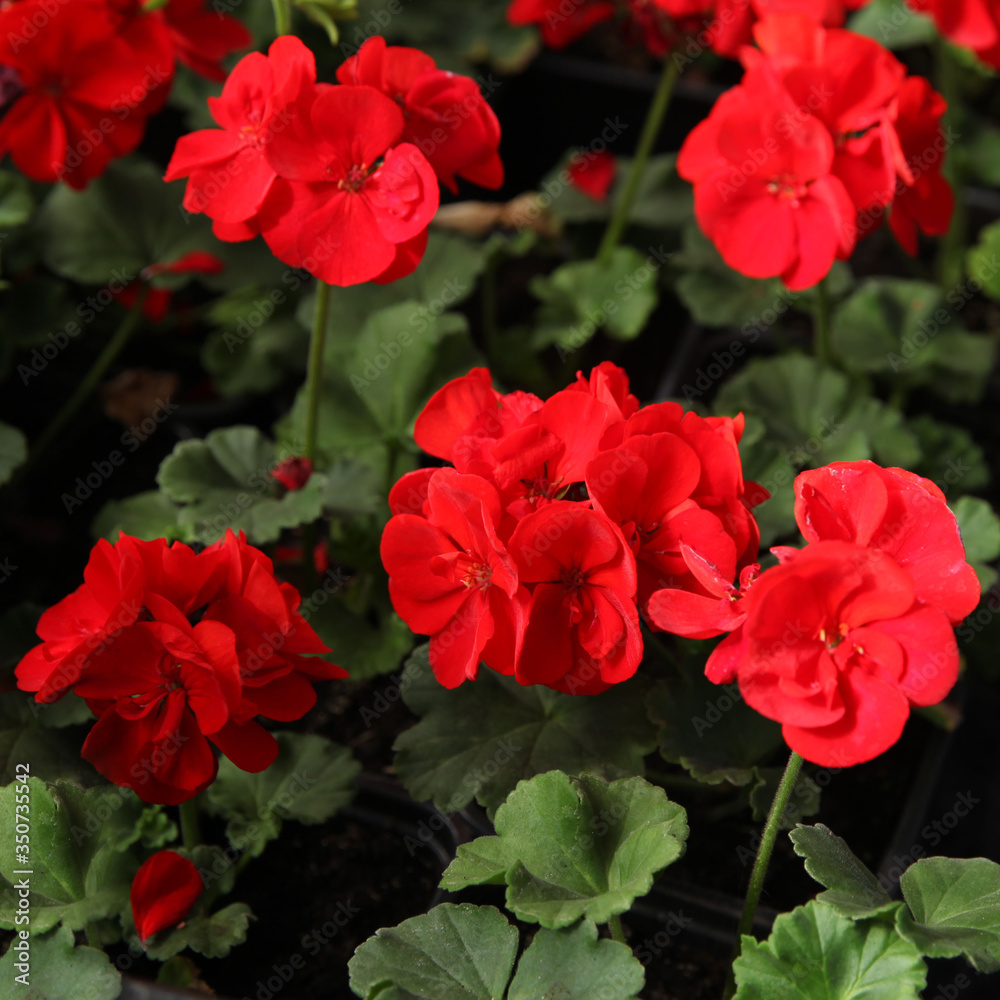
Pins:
x: 377, y: 381
x: 363, y: 647
x: 980, y: 528
x: 578, y: 846
x: 26, y: 737
x: 16, y: 203
x: 225, y: 481
x: 815, y: 952
x: 60, y: 970
x: 480, y: 739
x: 582, y: 297
x: 709, y: 730
x: 852, y: 890
x: 956, y: 909
x: 213, y: 937
x: 451, y: 953
x: 309, y: 781
x: 13, y: 450
x: 147, y: 515
x: 893, y: 24
x: 950, y: 457
x: 804, y: 801
x: 121, y: 223
x: 907, y: 332
x: 801, y: 415
x: 353, y: 488
x: 982, y: 263
x: 573, y: 964
x: 79, y: 873
x: 715, y: 294
x: 244, y: 355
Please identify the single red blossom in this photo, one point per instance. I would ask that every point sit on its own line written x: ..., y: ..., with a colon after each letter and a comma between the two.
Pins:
x: 560, y: 23
x: 164, y: 889
x: 838, y: 649
x: 293, y: 473
x: 583, y: 631
x: 788, y: 216
x: 445, y: 115
x: 593, y: 173
x: 229, y: 176
x: 156, y: 305
x: 450, y: 576
x: 202, y: 38
x: 974, y: 24
x: 160, y: 691
x: 896, y: 512
x: 353, y: 193
x: 924, y: 199
x: 74, y: 93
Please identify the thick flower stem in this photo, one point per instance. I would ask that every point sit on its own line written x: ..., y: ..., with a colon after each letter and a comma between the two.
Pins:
x: 190, y: 826
x: 314, y: 389
x: 821, y: 318
x: 763, y: 859
x: 282, y: 17
x: 92, y: 379
x: 615, y: 925
x: 951, y: 255
x: 650, y: 130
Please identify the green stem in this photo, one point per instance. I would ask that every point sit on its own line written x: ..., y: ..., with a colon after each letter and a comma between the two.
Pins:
x: 314, y: 390
x: 951, y: 255
x: 757, y: 876
x: 92, y: 379
x: 282, y: 17
x: 824, y: 354
x: 190, y: 827
x: 314, y: 374
x: 615, y: 923
x: 650, y: 130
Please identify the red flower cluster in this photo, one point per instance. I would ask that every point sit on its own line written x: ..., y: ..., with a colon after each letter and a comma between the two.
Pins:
x: 559, y: 521
x: 822, y: 135
x: 972, y: 23
x: 164, y: 889
x: 79, y: 80
x: 175, y: 651
x: 723, y: 25
x: 341, y: 180
x: 840, y: 639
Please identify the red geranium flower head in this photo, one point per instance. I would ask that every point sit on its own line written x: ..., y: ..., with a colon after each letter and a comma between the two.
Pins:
x: 593, y: 173
x: 293, y: 473
x: 354, y: 193
x: 445, y: 113
x: 176, y: 650
x: 560, y: 23
x: 164, y: 889
x: 972, y: 23
x: 838, y: 648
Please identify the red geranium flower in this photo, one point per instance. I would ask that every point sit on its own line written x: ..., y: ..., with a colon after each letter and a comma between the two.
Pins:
x: 899, y: 513
x: 560, y: 23
x: 164, y: 889
x: 445, y: 115
x: 450, y: 576
x: 229, y: 175
x: 75, y: 93
x: 783, y: 215
x: 972, y: 23
x: 924, y: 199
x: 593, y: 173
x: 355, y: 194
x: 583, y: 627
x: 838, y: 648
x: 174, y: 650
